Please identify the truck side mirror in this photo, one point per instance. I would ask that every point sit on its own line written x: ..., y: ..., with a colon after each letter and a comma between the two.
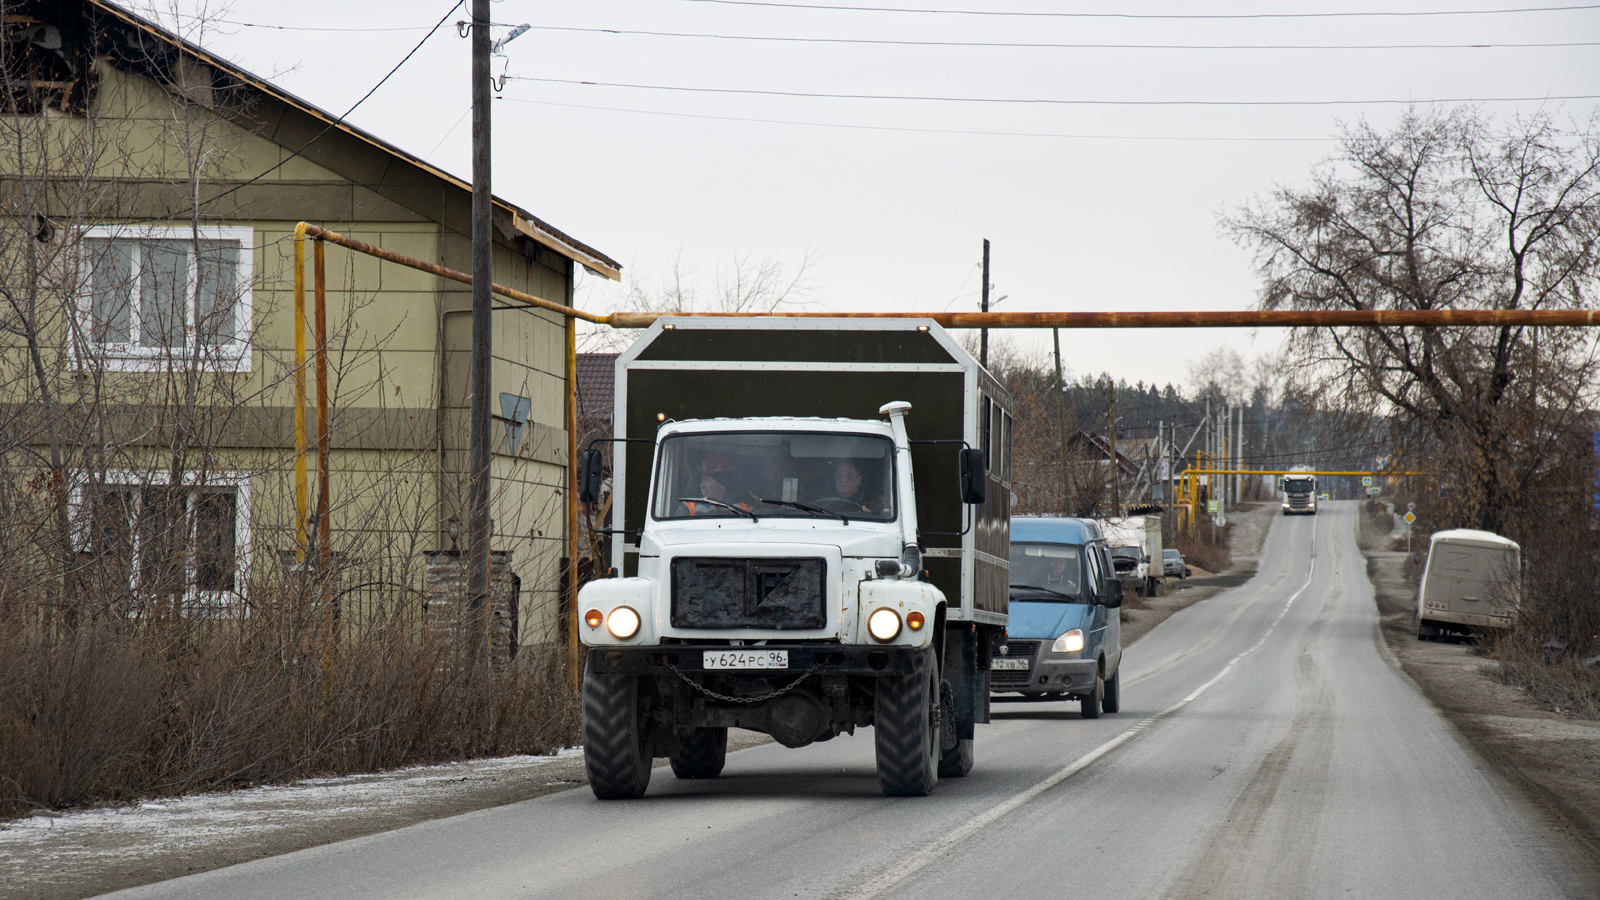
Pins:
x: 589, y: 474
x: 974, y: 476
x: 1113, y: 597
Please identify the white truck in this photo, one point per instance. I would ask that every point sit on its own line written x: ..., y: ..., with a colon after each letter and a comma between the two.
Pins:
x: 811, y: 536
x: 1135, y: 543
x: 1300, y: 492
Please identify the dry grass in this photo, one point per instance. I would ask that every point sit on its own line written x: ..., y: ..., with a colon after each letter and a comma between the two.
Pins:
x: 1201, y: 551
x: 122, y: 710
x: 1552, y: 680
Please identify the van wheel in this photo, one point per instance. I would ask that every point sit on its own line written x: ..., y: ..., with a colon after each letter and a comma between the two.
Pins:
x: 702, y: 754
x: 1113, y: 694
x: 615, y: 754
x: 906, y: 735
x: 1089, y: 706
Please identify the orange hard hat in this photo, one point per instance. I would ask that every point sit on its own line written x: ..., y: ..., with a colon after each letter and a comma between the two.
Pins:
x: 715, y: 463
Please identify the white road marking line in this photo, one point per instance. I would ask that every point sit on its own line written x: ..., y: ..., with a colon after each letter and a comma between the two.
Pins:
x: 889, y: 878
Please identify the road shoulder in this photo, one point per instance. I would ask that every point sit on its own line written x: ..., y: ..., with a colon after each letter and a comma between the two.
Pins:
x: 1551, y: 759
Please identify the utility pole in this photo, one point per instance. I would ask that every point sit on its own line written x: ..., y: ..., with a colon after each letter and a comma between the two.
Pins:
x: 983, y: 333
x: 1238, y: 496
x: 1116, y: 472
x: 478, y: 527
x: 1061, y: 418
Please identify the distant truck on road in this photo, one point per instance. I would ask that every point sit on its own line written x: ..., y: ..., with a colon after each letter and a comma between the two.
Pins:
x: 1473, y: 580
x: 1300, y: 492
x: 799, y: 550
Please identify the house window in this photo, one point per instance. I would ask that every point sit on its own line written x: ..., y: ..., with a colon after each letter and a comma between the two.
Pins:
x: 157, y: 541
x: 152, y: 296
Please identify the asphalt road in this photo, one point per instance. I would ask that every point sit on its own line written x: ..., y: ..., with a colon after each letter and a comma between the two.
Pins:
x: 1265, y: 749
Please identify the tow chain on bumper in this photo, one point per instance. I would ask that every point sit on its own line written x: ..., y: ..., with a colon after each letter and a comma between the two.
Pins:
x: 757, y: 699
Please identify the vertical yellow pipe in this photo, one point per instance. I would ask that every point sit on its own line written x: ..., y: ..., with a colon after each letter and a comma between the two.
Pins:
x: 300, y: 536
x: 572, y: 489
x: 324, y: 543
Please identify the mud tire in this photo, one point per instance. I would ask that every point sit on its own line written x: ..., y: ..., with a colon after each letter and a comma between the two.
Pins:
x: 616, y: 752
x: 702, y: 754
x: 905, y: 729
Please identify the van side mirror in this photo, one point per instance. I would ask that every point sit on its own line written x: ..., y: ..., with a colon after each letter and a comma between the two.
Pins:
x: 974, y: 476
x: 1113, y: 596
x: 589, y: 475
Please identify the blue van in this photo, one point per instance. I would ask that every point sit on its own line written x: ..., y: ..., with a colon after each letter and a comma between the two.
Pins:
x: 1064, y: 640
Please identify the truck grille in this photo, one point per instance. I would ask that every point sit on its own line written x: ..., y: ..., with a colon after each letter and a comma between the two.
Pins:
x: 782, y: 594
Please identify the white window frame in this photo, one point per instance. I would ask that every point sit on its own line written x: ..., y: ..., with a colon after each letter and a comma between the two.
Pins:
x: 193, y: 598
x: 131, y: 357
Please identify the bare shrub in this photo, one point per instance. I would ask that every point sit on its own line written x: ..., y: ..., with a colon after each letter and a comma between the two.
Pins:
x: 1203, y: 551
x: 115, y: 712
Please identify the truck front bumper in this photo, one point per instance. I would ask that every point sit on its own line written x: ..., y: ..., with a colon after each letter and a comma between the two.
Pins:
x: 820, y: 659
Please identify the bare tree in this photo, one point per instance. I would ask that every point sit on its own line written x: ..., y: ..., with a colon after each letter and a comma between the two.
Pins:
x: 1446, y: 210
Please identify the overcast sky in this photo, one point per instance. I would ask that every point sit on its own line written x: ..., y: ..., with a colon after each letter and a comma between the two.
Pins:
x: 1088, y: 206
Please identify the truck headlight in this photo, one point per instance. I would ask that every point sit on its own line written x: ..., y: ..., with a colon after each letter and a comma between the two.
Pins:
x: 623, y: 623
x: 1071, y: 642
x: 884, y: 624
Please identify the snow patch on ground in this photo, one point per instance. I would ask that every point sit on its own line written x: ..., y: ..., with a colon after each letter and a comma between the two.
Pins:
x: 80, y: 837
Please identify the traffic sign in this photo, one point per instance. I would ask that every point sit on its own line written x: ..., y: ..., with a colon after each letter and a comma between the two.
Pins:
x: 1213, y: 506
x: 1366, y: 481
x: 1410, y: 517
x: 1411, y: 507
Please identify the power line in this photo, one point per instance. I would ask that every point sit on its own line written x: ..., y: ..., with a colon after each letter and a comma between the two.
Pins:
x: 1035, y: 45
x: 331, y: 125
x: 952, y: 131
x: 1184, y: 16
x: 1048, y: 101
x: 1009, y: 45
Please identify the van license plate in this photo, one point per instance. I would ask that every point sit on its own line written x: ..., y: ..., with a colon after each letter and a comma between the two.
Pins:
x: 746, y: 659
x: 1009, y: 665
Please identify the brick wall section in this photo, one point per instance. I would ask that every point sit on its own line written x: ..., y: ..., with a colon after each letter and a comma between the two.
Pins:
x: 450, y: 621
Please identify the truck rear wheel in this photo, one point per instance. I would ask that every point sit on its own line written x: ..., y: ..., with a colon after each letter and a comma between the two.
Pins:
x: 702, y: 754
x: 957, y: 761
x: 905, y: 733
x: 615, y: 752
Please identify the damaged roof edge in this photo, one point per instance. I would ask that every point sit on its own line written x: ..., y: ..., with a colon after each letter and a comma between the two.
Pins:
x: 525, y: 223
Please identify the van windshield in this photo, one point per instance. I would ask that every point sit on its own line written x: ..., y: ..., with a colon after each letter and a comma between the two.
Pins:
x: 1041, y: 571
x: 788, y: 474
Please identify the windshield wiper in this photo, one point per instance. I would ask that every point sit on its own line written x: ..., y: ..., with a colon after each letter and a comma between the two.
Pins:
x: 807, y: 508
x: 729, y: 506
x: 1035, y: 587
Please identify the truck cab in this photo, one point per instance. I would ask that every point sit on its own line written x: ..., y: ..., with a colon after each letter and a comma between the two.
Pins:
x: 1064, y: 640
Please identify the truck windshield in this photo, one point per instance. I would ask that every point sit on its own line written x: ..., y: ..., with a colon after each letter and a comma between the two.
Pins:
x: 1053, y: 571
x: 788, y: 474
x: 1297, y: 485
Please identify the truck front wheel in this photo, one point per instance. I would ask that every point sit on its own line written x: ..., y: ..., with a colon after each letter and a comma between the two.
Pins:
x: 702, y: 754
x: 905, y: 730
x: 615, y: 752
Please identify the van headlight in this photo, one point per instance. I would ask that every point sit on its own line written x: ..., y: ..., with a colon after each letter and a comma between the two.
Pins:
x: 623, y: 623
x: 1071, y: 642
x: 883, y: 625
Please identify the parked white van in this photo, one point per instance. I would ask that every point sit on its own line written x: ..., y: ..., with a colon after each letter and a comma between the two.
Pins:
x: 1473, y: 580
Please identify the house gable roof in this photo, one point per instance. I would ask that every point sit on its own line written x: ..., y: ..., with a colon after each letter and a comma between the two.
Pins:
x: 511, y: 219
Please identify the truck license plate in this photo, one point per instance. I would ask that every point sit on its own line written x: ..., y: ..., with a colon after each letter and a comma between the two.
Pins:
x: 1009, y: 665
x: 746, y: 659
